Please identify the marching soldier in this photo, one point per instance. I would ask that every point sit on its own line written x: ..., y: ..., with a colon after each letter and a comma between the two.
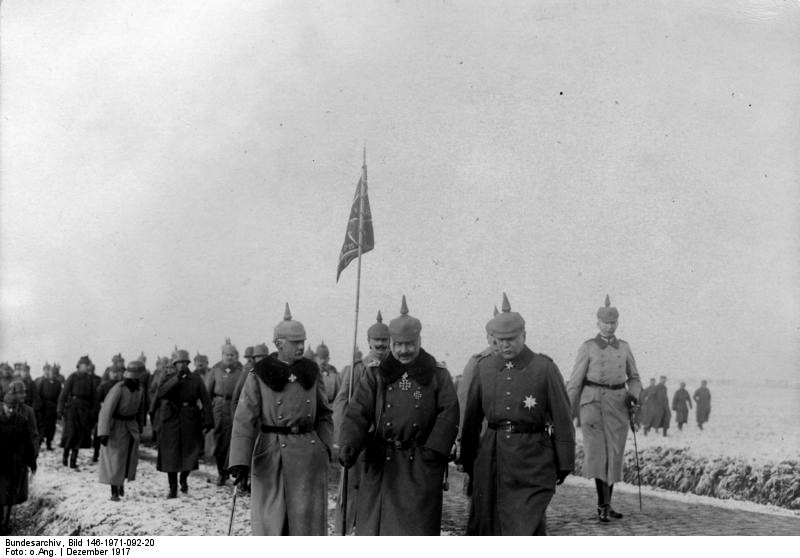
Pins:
x: 180, y: 422
x: 48, y: 389
x: 248, y: 359
x: 282, y: 431
x: 605, y: 382
x: 404, y: 415
x: 77, y: 404
x: 330, y: 376
x: 702, y: 397
x: 114, y: 376
x: 220, y: 384
x: 681, y: 403
x: 162, y: 363
x: 378, y: 340
x: 119, y: 428
x: 260, y: 352
x: 529, y: 444
x: 18, y: 451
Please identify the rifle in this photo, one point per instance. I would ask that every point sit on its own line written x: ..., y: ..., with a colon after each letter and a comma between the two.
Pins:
x: 632, y: 407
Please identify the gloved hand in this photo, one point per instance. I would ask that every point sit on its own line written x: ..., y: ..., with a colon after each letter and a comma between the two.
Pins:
x: 561, y: 475
x: 103, y: 440
x: 631, y: 401
x: 347, y: 456
x: 239, y: 472
x: 432, y: 456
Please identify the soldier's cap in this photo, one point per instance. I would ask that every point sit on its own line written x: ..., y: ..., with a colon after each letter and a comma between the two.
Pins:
x: 489, y: 323
x: 117, y: 358
x: 404, y: 328
x: 323, y: 351
x: 200, y: 358
x: 142, y: 358
x: 289, y: 329
x: 16, y: 387
x: 378, y: 330
x: 84, y: 360
x: 46, y: 366
x: 309, y: 354
x: 228, y: 346
x: 607, y: 313
x: 506, y: 324
x: 134, y: 369
x: 260, y: 350
x: 180, y: 356
x: 248, y: 352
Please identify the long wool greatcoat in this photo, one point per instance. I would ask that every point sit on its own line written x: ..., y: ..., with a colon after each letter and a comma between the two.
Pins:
x: 19, y: 444
x: 514, y: 474
x: 681, y: 403
x: 121, y: 418
x: 405, y: 418
x: 332, y: 380
x: 78, y: 403
x: 702, y: 396
x: 48, y: 391
x: 220, y: 383
x: 289, y: 472
x: 604, y: 415
x: 658, y: 414
x: 183, y: 410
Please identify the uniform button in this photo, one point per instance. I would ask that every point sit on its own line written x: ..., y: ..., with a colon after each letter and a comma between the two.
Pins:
x: 388, y: 423
x: 280, y: 417
x: 508, y: 436
x: 279, y: 402
x: 283, y: 445
x: 414, y: 425
x: 309, y: 415
x: 388, y: 458
x: 389, y: 388
x: 416, y: 406
x: 508, y: 393
x: 308, y: 401
x: 509, y: 378
x: 313, y: 441
x: 508, y: 408
x: 411, y: 458
x: 388, y: 405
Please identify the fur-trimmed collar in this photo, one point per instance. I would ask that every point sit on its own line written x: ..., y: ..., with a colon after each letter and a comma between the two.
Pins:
x: 276, y: 374
x: 421, y: 370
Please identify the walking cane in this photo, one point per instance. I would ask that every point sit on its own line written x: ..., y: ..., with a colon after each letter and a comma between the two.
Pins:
x: 233, y: 507
x: 343, y: 499
x: 631, y: 411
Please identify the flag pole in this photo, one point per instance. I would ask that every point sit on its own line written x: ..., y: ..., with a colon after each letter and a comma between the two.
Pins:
x: 361, y: 191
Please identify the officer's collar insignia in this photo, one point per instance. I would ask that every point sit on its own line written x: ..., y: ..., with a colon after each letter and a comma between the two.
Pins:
x: 602, y: 343
x: 421, y: 371
x: 277, y: 374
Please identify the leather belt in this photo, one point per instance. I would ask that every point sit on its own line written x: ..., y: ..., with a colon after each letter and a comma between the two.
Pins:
x: 513, y: 427
x: 606, y: 386
x: 118, y: 416
x: 297, y: 429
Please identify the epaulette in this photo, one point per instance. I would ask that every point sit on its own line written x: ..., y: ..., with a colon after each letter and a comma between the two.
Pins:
x: 545, y: 356
x: 487, y: 352
x: 441, y: 365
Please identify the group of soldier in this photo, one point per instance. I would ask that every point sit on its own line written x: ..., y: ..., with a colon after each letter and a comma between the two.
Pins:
x: 656, y: 413
x: 393, y: 421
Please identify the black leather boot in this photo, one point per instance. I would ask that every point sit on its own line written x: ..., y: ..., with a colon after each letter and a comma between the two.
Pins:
x: 73, y: 459
x: 121, y: 490
x: 114, y: 493
x: 602, y: 513
x: 65, y: 457
x: 184, y: 483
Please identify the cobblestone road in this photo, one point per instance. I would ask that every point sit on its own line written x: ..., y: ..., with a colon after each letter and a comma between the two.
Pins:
x: 573, y: 512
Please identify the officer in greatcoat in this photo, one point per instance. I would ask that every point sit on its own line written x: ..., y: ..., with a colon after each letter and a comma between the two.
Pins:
x: 18, y: 451
x: 529, y: 444
x: 404, y: 416
x: 77, y: 404
x: 605, y: 382
x: 115, y: 373
x: 282, y: 434
x: 220, y: 383
x: 681, y: 403
x: 183, y: 413
x: 119, y: 427
x: 378, y: 340
x: 48, y: 389
x: 658, y: 412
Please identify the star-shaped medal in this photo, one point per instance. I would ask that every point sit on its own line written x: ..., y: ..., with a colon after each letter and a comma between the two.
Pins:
x: 405, y: 385
x: 509, y: 365
x: 292, y: 378
x: 530, y: 402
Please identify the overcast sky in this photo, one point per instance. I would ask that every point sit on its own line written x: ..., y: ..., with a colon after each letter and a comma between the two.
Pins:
x: 174, y: 173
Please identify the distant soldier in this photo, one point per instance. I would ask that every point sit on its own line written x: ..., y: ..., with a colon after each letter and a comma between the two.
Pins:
x: 378, y: 340
x: 309, y: 354
x: 23, y: 372
x: 471, y: 368
x: 702, y: 397
x: 118, y: 364
x: 330, y: 376
x: 77, y: 404
x: 180, y: 421
x: 58, y: 375
x: 162, y: 363
x: 645, y: 409
x: 114, y: 376
x: 144, y: 381
x: 658, y: 411
x: 260, y: 352
x: 119, y: 428
x: 404, y: 416
x: 529, y: 444
x: 48, y: 389
x: 605, y: 382
x: 282, y: 431
x: 220, y: 383
x: 6, y: 376
x: 18, y: 451
x: 201, y: 366
x: 681, y: 403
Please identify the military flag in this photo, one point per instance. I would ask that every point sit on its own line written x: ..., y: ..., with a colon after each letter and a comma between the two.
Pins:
x: 359, y: 227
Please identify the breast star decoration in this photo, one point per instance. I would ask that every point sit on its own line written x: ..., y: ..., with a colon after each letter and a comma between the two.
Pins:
x: 530, y: 402
x: 292, y: 378
x: 509, y: 365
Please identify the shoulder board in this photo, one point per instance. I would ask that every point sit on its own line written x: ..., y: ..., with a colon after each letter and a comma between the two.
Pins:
x: 545, y: 356
x: 589, y: 340
x: 441, y: 365
x: 622, y: 341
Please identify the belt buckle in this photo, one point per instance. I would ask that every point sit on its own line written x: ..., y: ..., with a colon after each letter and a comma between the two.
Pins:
x: 398, y: 444
x: 507, y: 426
x: 295, y: 429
